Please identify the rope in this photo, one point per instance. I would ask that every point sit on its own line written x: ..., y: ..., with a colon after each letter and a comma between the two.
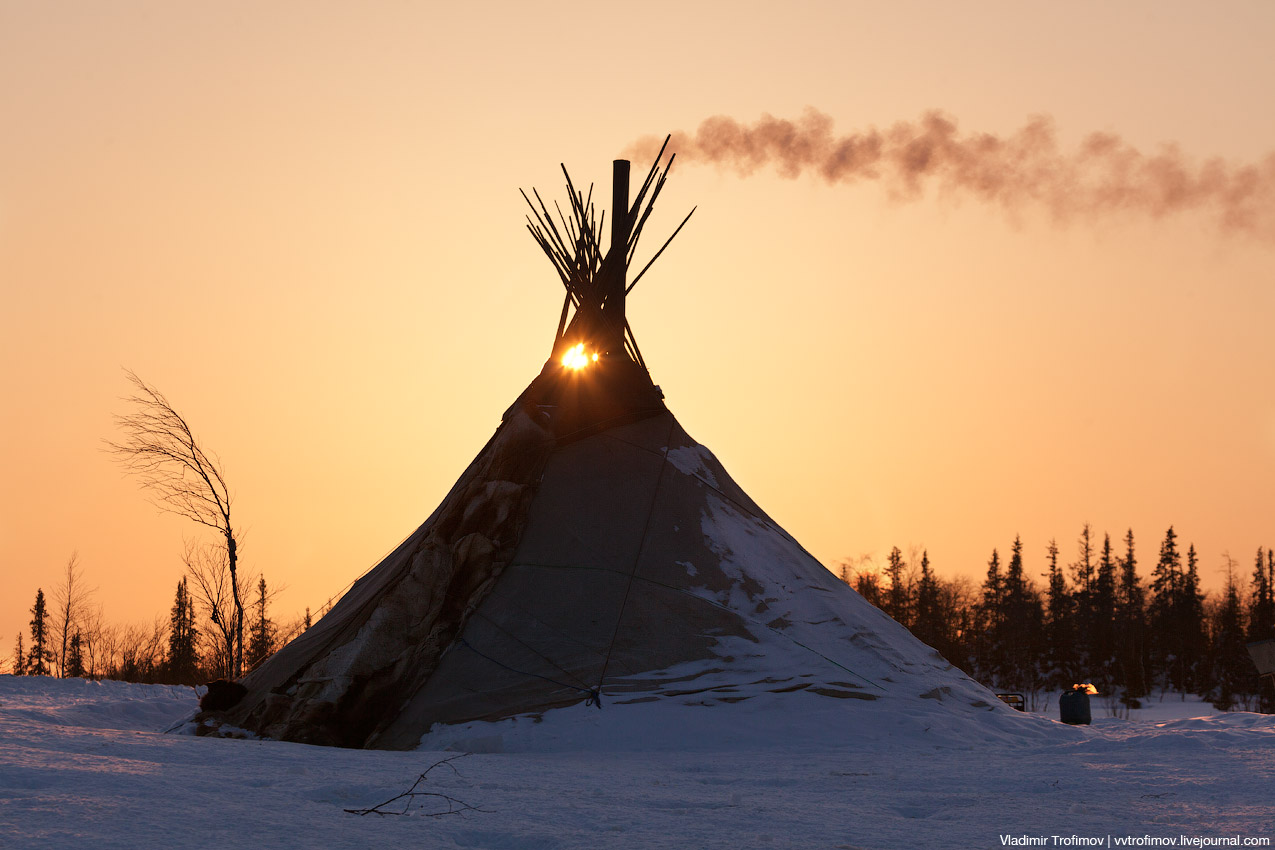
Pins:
x: 489, y: 621
x: 752, y: 513
x: 595, y: 695
x: 718, y: 605
x: 603, y: 423
x: 710, y: 485
x: 650, y: 511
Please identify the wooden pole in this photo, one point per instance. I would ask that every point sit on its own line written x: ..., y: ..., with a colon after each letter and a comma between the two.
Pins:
x: 621, y: 225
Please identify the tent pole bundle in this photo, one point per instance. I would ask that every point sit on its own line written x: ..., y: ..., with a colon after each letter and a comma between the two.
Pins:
x: 596, y: 281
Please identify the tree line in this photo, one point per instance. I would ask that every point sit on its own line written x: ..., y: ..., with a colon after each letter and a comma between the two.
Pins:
x: 197, y: 642
x: 1094, y: 620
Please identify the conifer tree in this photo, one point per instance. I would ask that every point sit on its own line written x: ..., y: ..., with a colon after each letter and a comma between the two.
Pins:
x: 19, y: 658
x: 1083, y: 614
x: 1166, y: 588
x: 927, y: 626
x: 261, y: 642
x: 1261, y: 612
x: 897, y: 598
x: 959, y: 616
x: 868, y: 585
x: 1059, y: 626
x: 1021, y: 625
x: 306, y: 622
x: 993, y: 587
x: 1103, y: 620
x: 1261, y: 619
x: 988, y: 649
x: 74, y: 666
x: 40, y: 655
x: 1132, y: 627
x: 183, y: 637
x: 1083, y: 569
x: 1196, y: 676
x: 1231, y: 668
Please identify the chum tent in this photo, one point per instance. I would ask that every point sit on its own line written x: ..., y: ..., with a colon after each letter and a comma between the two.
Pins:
x: 593, y: 555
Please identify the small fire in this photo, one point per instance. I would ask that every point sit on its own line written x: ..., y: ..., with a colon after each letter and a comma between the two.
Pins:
x: 1085, y: 688
x: 575, y: 358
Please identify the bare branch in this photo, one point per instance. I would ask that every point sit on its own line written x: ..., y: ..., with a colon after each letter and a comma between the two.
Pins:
x: 410, y: 796
x: 161, y: 449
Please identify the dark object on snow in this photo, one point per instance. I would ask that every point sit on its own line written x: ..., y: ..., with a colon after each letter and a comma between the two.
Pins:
x: 222, y: 694
x: 1017, y: 701
x: 1263, y: 654
x: 1073, y: 706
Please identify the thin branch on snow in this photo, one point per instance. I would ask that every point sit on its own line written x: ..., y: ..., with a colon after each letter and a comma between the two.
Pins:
x: 409, y: 797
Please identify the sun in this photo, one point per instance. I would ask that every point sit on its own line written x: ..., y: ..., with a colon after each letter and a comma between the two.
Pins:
x: 575, y: 358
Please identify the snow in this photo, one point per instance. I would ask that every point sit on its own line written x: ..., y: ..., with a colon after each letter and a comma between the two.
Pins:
x: 86, y: 764
x: 694, y: 460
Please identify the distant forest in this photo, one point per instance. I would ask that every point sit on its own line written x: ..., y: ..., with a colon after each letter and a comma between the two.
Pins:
x: 1096, y: 621
x: 70, y: 637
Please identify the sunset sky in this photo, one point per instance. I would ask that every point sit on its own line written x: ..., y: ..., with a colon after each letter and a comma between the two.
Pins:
x: 301, y: 221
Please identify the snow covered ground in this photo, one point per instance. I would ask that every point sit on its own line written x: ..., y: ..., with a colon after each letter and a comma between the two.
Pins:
x: 84, y: 764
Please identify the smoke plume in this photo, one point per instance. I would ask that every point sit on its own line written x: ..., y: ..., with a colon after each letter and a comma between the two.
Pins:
x: 1101, y: 176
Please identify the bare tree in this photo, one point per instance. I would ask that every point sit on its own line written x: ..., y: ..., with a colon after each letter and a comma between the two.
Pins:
x: 98, y: 641
x: 70, y: 601
x: 160, y: 448
x: 292, y: 629
x: 217, y: 591
x: 139, y: 652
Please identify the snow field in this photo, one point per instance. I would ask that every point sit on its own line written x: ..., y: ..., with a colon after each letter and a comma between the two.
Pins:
x: 84, y: 764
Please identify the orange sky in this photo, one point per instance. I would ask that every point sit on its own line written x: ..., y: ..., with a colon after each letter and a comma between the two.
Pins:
x: 301, y: 222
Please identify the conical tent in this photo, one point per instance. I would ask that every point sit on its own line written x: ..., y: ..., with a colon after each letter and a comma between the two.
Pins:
x: 593, y: 553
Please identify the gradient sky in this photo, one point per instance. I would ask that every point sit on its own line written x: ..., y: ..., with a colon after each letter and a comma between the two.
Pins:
x: 300, y: 220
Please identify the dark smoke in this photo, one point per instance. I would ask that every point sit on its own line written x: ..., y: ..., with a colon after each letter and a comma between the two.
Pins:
x: 1103, y: 175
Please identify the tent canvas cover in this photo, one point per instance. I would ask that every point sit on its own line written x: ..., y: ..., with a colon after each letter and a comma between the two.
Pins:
x: 592, y: 555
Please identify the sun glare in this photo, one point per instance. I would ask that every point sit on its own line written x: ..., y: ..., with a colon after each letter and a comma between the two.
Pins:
x: 575, y: 358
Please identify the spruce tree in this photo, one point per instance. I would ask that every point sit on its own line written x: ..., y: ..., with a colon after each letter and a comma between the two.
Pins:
x: 75, y: 657
x: 1021, y: 625
x: 898, y: 599
x: 988, y: 649
x: 1261, y: 611
x: 1131, y: 628
x: 1060, y: 627
x: 1165, y: 638
x: 183, y: 637
x: 19, y: 658
x: 1103, y: 620
x: 1261, y: 620
x: 40, y: 655
x: 261, y: 641
x: 868, y: 585
x: 1231, y: 667
x: 1196, y: 675
x: 1083, y: 573
x: 1083, y: 569
x: 306, y: 622
x: 927, y: 626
